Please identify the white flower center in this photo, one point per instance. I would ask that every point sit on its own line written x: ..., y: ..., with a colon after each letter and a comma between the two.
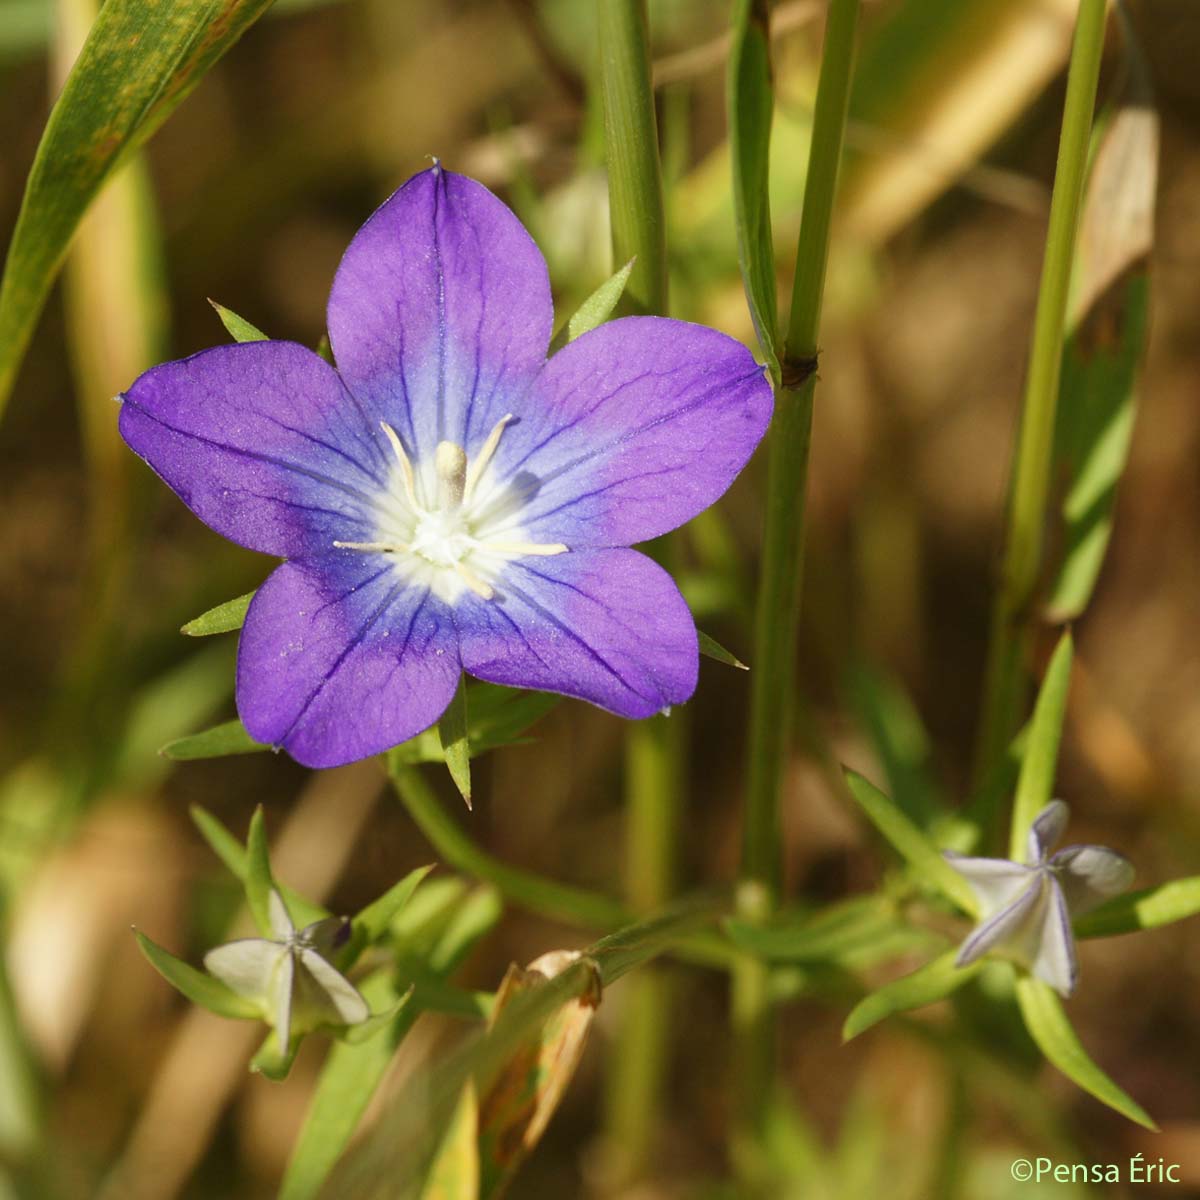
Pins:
x: 450, y: 524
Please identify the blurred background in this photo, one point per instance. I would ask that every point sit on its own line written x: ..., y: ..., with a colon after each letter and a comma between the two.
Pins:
x: 249, y: 195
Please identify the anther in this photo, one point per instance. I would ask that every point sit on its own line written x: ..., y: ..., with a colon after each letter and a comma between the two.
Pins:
x: 405, y: 466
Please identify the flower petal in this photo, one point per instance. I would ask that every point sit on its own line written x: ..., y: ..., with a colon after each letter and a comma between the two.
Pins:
x: 247, y: 965
x: 1004, y: 927
x: 331, y: 999
x: 1053, y: 960
x: 633, y: 429
x: 285, y: 985
x: 262, y: 442
x: 1046, y: 829
x: 608, y: 626
x: 1089, y: 875
x: 281, y: 920
x: 440, y: 312
x: 995, y: 881
x: 339, y: 659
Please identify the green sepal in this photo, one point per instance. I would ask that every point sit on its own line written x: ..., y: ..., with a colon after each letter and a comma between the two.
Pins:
x: 258, y: 881
x: 595, y: 310
x: 934, y: 981
x: 912, y: 845
x: 221, y: 741
x: 372, y: 923
x: 1036, y: 779
x: 237, y: 327
x: 1054, y: 1035
x: 274, y: 1061
x: 224, y: 618
x: 711, y: 648
x: 198, y: 986
x: 453, y: 737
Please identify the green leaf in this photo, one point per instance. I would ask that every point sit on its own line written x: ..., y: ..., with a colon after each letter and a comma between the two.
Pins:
x: 1147, y: 909
x: 237, y: 327
x: 498, y: 716
x: 233, y: 854
x: 1050, y: 1028
x: 273, y: 1060
x: 373, y: 923
x: 1036, y: 780
x: 711, y: 648
x: 224, y: 845
x: 934, y: 981
x: 258, y: 881
x: 218, y: 742
x: 199, y: 987
x: 898, y: 737
x: 454, y: 1172
x: 140, y: 60
x: 912, y: 844
x: 351, y: 1073
x: 225, y: 618
x: 1106, y: 340
x: 453, y: 736
x: 596, y: 309
x: 751, y: 100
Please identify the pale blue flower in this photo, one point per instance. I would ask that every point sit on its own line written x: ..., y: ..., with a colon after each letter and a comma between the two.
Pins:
x: 1027, y: 908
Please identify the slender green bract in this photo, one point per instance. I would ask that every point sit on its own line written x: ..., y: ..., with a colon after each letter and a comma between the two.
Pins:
x: 1036, y: 780
x: 934, y: 981
x: 1005, y: 677
x: 1051, y: 1030
x: 140, y: 60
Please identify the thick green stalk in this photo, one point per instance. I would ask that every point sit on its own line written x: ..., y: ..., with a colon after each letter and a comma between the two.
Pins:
x: 1005, y: 682
x: 654, y: 748
x: 777, y: 617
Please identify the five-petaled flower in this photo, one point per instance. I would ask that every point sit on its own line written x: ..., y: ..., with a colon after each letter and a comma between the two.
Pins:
x: 448, y: 499
x: 290, y: 974
x: 1027, y: 907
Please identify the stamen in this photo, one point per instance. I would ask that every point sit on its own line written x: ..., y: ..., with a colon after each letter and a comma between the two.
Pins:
x: 473, y: 581
x: 410, y: 489
x: 484, y: 457
x: 544, y: 550
x: 450, y: 462
x: 375, y: 547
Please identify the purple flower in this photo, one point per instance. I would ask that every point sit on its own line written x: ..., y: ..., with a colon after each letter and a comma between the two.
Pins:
x: 447, y: 499
x: 1027, y: 907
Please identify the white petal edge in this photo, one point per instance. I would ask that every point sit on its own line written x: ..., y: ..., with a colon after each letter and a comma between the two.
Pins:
x: 247, y: 966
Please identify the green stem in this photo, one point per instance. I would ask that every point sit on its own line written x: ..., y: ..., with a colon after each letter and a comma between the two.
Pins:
x: 1005, y: 681
x: 635, y: 192
x: 777, y: 617
x: 655, y: 749
x: 559, y: 901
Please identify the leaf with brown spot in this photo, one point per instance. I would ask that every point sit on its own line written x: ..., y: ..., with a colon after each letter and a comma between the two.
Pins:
x: 139, y: 61
x: 515, y: 1110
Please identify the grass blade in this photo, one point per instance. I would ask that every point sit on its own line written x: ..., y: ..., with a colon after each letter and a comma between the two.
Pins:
x: 750, y: 97
x: 140, y: 60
